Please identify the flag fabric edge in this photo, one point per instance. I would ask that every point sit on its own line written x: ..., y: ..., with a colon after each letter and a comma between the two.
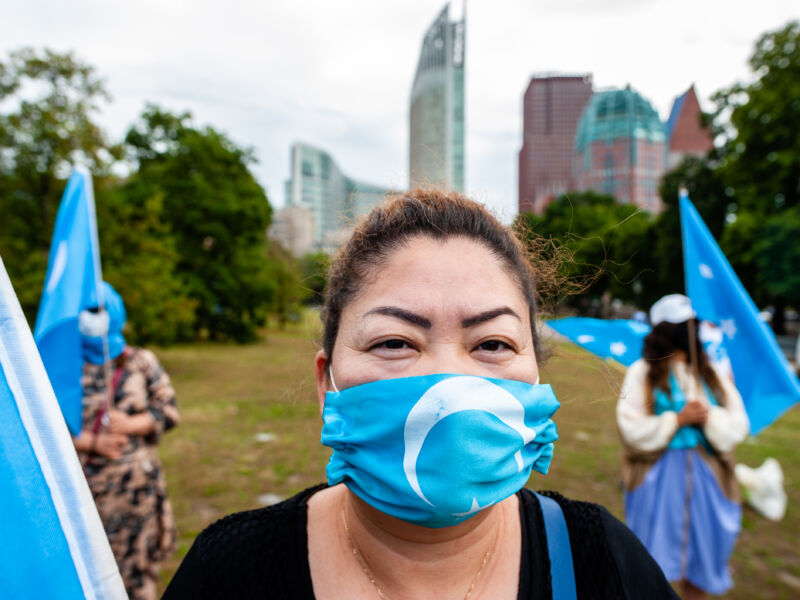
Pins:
x: 690, y: 218
x: 39, y: 411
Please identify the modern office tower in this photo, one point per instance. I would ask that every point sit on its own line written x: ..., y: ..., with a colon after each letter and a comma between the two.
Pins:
x: 621, y: 148
x: 436, y: 114
x: 334, y: 200
x: 552, y: 107
x: 687, y: 134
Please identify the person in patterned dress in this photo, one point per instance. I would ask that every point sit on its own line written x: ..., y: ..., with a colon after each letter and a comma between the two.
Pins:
x: 118, y: 446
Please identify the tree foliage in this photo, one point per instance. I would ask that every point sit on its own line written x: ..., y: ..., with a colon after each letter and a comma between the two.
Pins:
x: 596, y: 231
x: 182, y: 236
x: 217, y: 215
x: 760, y: 126
x: 314, y: 266
x: 760, y: 167
x: 48, y: 106
x: 140, y: 261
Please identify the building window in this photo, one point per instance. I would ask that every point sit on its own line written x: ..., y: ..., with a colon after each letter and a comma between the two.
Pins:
x: 609, y: 176
x: 307, y: 169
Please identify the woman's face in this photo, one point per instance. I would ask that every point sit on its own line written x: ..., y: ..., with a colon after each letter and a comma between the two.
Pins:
x: 433, y: 307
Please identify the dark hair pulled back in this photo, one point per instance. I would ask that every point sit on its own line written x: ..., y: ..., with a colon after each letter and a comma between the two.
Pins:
x: 660, y: 347
x: 431, y: 213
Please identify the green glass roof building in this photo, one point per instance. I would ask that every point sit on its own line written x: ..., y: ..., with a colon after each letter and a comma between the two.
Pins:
x: 621, y: 148
x: 436, y: 113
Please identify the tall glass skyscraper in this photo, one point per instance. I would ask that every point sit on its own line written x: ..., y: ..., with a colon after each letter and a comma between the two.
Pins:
x: 436, y: 114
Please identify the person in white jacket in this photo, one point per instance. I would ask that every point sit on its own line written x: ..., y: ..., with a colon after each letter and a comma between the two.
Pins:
x: 679, y: 432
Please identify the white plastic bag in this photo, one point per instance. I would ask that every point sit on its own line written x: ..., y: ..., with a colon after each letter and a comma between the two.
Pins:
x: 763, y: 488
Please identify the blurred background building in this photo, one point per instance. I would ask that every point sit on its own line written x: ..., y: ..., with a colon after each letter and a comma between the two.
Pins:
x: 688, y: 136
x: 436, y: 112
x: 552, y: 106
x: 293, y: 228
x: 331, y: 202
x: 621, y: 148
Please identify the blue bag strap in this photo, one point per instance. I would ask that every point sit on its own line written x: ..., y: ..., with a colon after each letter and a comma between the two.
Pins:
x: 562, y: 573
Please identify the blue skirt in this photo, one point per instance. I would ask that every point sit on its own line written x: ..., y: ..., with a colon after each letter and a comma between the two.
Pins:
x: 682, y: 517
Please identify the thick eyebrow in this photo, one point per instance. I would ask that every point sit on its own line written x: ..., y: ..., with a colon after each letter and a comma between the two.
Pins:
x: 400, y: 313
x: 488, y: 315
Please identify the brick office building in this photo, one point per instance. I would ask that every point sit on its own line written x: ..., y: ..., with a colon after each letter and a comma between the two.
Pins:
x: 621, y: 148
x: 552, y: 107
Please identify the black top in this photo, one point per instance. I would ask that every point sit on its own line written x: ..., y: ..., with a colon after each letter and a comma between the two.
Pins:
x: 264, y: 554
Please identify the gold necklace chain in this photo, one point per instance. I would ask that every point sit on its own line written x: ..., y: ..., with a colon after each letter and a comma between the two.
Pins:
x: 368, y: 572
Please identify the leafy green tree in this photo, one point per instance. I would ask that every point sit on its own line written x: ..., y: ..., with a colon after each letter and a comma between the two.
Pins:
x: 738, y: 243
x: 701, y: 178
x: 587, y: 225
x: 314, y: 267
x: 48, y: 106
x: 288, y: 293
x: 140, y: 261
x: 779, y: 238
x: 662, y: 247
x: 760, y: 125
x: 630, y: 268
x: 217, y: 214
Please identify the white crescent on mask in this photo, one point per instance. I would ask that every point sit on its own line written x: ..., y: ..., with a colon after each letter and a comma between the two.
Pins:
x: 457, y: 394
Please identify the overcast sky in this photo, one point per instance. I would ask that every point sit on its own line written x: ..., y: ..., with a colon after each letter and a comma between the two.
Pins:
x: 337, y: 73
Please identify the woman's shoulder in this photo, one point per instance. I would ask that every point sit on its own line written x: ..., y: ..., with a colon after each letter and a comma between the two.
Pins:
x: 638, y: 369
x: 247, y: 551
x: 141, y: 357
x: 251, y: 526
x: 587, y: 523
x: 606, y: 554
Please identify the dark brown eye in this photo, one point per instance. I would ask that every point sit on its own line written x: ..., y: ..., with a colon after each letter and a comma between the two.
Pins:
x: 394, y: 344
x: 493, y: 346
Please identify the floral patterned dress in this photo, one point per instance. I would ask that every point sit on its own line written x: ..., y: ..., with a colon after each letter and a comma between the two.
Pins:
x: 130, y: 492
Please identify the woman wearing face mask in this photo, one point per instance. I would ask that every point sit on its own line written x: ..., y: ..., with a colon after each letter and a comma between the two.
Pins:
x: 679, y: 432
x: 428, y: 384
x: 117, y: 445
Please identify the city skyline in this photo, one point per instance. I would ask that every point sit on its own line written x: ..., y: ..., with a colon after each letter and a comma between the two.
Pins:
x: 339, y: 75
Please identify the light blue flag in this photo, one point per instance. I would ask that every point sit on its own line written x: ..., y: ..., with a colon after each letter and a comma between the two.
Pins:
x: 73, y: 278
x: 763, y: 375
x: 53, y: 543
x: 620, y: 339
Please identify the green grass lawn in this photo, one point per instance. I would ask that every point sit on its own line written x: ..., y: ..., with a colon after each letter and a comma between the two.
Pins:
x: 217, y: 463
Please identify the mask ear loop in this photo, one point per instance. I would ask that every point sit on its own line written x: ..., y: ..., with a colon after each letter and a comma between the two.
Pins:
x: 333, y: 382
x: 537, y: 380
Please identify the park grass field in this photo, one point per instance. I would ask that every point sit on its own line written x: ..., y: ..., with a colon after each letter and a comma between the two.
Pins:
x: 250, y: 428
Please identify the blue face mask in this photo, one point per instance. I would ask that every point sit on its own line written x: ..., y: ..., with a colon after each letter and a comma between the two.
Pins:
x: 109, y: 324
x: 434, y: 450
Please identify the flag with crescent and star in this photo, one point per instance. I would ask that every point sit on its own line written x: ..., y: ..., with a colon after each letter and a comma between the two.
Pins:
x: 618, y: 339
x: 53, y: 542
x: 763, y: 375
x: 73, y: 278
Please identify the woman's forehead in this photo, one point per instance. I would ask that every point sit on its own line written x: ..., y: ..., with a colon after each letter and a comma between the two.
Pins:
x: 457, y: 274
